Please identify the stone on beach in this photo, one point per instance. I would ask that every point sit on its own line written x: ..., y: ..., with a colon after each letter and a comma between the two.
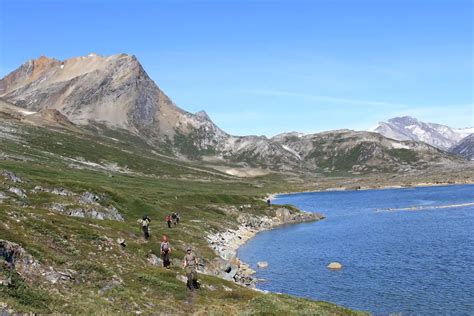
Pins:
x: 335, y: 266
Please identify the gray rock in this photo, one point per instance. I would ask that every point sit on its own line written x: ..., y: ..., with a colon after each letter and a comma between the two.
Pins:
x: 98, y: 212
x: 182, y: 278
x: 17, y: 257
x: 61, y: 192
x: 19, y: 192
x: 90, y: 198
x: 10, y: 176
x: 55, y: 277
x: 154, y: 260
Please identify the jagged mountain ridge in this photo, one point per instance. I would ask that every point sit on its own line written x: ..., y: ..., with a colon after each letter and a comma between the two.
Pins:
x: 465, y: 148
x: 358, y: 151
x: 409, y: 128
x: 116, y: 91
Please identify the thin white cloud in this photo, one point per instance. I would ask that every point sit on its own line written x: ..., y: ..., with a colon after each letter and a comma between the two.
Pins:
x: 323, y: 98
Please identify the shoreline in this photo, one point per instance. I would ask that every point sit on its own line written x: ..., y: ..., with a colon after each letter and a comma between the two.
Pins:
x: 227, y: 243
x: 273, y: 196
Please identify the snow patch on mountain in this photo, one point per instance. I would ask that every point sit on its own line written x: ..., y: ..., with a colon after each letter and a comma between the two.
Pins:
x: 409, y: 128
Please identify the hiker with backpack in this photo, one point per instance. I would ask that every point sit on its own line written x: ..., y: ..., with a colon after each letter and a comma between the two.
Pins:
x: 168, y: 220
x: 174, y: 217
x: 145, y: 223
x: 190, y: 264
x: 165, y: 252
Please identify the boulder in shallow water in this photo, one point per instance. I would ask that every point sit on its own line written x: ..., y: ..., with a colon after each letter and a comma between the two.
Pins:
x: 262, y: 264
x: 335, y: 266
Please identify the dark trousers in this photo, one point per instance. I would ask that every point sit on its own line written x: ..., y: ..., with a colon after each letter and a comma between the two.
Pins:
x: 146, y: 232
x: 169, y: 224
x: 166, y: 259
x: 191, y: 274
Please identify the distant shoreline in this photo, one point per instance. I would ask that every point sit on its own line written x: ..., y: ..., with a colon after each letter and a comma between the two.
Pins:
x: 273, y: 196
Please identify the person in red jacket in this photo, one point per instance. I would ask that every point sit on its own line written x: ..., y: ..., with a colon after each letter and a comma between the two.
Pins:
x: 168, y: 220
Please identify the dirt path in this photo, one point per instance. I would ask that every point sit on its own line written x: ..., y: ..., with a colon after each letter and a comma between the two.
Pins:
x: 190, y: 302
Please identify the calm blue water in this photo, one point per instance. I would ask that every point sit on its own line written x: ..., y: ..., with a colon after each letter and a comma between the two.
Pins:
x: 409, y: 262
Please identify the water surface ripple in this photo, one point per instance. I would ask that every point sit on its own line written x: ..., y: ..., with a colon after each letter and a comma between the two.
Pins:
x: 407, y: 251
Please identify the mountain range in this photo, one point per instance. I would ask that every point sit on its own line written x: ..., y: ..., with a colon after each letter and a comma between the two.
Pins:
x: 116, y: 92
x: 440, y: 136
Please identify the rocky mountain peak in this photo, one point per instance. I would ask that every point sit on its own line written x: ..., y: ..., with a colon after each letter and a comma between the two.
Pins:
x: 409, y: 128
x: 203, y: 114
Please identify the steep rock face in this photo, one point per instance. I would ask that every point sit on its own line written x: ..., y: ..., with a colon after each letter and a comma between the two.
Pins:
x: 465, y: 148
x: 409, y: 128
x: 115, y: 90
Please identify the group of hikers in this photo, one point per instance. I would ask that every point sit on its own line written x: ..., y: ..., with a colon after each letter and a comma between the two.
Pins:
x: 172, y: 219
x: 190, y: 261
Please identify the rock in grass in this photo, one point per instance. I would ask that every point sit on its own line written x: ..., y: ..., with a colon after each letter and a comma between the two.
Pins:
x: 182, y: 278
x: 262, y: 264
x: 335, y: 266
x: 11, y: 176
x: 154, y: 260
x: 19, y: 192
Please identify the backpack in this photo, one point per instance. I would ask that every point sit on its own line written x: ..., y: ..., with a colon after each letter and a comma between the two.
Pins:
x: 165, y: 247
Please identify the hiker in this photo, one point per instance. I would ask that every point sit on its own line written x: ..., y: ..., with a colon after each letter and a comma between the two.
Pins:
x: 168, y: 220
x: 145, y: 222
x: 269, y: 203
x: 165, y: 252
x: 173, y: 217
x: 190, y: 265
x: 178, y: 218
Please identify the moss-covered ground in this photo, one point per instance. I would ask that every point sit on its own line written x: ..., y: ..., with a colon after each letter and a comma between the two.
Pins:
x: 137, y: 180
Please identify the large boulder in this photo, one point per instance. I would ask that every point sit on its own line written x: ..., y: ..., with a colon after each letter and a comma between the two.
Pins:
x: 335, y: 266
x: 262, y: 264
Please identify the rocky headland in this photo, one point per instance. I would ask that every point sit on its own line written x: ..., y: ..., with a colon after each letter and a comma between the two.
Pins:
x: 226, y: 243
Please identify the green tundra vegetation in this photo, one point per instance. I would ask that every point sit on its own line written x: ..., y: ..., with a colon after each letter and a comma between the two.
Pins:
x: 136, y: 180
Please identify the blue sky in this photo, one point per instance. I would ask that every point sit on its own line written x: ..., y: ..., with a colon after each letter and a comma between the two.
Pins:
x: 265, y: 67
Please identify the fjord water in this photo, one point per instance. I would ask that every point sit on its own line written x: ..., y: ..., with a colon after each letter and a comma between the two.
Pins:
x: 401, y: 253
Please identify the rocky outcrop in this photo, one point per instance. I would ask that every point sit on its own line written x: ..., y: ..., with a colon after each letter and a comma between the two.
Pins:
x: 226, y: 243
x: 18, y: 260
x: 86, y: 204
x: 19, y: 192
x: 94, y: 211
x: 10, y: 176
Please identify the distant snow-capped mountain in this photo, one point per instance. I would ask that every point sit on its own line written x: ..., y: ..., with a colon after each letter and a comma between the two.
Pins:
x: 409, y: 128
x: 465, y: 148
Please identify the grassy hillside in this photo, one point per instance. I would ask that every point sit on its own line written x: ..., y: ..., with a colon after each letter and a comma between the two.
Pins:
x: 100, y: 276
